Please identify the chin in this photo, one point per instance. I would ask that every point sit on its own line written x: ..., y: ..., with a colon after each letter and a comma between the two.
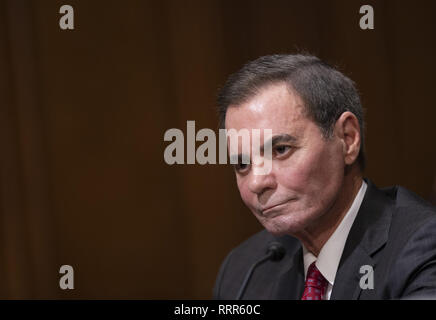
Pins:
x: 282, y: 225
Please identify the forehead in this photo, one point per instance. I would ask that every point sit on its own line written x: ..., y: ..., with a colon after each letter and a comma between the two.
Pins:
x: 275, y: 107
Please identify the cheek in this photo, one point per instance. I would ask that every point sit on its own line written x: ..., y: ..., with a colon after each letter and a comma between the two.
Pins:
x: 245, y: 193
x: 298, y: 174
x: 312, y: 171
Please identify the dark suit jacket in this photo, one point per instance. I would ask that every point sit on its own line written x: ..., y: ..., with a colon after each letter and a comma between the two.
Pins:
x: 394, y: 232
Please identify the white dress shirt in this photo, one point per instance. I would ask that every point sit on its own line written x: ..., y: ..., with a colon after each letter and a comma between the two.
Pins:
x: 328, y: 258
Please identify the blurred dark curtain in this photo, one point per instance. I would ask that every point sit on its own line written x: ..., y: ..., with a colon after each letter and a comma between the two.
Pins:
x: 83, y: 113
x: 27, y: 255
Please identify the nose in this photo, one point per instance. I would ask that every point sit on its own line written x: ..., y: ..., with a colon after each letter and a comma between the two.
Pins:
x: 259, y: 183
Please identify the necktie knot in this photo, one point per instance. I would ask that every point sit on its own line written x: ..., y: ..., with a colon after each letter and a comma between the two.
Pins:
x: 316, y: 284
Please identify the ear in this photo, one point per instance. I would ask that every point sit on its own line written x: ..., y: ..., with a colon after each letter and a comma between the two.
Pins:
x: 348, y: 130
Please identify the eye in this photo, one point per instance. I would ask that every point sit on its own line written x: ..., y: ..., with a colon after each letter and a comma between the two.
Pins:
x: 241, y: 167
x: 281, y: 150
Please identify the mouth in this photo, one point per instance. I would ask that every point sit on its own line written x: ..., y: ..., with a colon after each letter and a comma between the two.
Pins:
x: 273, y: 208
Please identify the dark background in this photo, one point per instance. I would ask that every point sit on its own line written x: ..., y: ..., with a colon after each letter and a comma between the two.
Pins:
x: 84, y: 111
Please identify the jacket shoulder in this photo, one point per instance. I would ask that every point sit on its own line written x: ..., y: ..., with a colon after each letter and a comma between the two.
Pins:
x: 410, y: 251
x: 410, y: 210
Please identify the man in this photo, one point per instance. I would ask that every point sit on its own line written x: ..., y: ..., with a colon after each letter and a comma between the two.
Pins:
x: 344, y: 238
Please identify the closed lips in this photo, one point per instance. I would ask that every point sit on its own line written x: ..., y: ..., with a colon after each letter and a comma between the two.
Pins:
x: 273, y: 206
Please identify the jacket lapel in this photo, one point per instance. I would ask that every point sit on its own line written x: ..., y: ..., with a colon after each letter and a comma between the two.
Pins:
x: 347, y: 279
x: 368, y: 235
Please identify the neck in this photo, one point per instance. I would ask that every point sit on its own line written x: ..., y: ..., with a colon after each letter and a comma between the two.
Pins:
x: 316, y: 235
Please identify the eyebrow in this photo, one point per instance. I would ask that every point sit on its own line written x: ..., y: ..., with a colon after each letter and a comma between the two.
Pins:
x: 274, y: 141
x: 278, y: 139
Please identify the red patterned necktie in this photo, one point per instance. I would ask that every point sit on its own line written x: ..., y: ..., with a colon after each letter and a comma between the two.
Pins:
x: 316, y: 284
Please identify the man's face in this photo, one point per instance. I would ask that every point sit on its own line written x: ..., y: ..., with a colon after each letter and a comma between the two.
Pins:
x: 307, y: 169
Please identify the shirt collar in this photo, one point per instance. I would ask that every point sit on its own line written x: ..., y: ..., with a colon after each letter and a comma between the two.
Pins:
x: 330, y: 254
